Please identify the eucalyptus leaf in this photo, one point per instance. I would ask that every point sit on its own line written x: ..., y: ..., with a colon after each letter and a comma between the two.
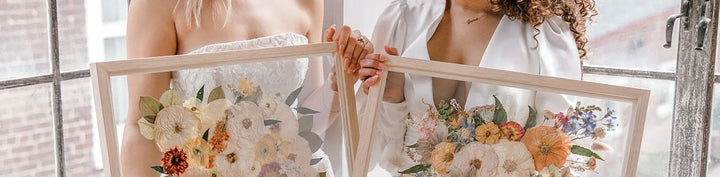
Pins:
x: 147, y: 129
x: 313, y: 140
x: 149, y: 106
x: 304, y: 110
x: 206, y: 134
x: 305, y: 123
x: 293, y: 96
x: 500, y: 113
x: 415, y: 169
x: 270, y: 122
x: 171, y: 97
x: 158, y: 169
x: 532, y: 116
x: 215, y: 94
x: 315, y: 161
x: 413, y: 146
x: 579, y: 150
x: 200, y: 93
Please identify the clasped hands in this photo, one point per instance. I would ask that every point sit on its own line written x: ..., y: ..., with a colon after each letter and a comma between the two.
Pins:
x: 361, y: 63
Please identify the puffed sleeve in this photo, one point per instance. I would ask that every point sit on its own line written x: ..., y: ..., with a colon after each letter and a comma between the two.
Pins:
x: 558, y: 55
x: 389, y: 131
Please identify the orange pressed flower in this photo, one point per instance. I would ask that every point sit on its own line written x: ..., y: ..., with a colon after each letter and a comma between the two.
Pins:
x: 443, y: 156
x: 488, y: 133
x: 548, y: 146
x: 174, y: 162
x: 512, y: 131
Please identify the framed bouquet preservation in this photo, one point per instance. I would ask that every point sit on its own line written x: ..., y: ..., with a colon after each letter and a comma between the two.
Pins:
x: 503, y: 124
x: 232, y: 113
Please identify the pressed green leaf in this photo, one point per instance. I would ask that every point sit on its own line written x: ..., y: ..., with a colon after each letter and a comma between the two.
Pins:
x: 270, y: 122
x: 150, y: 119
x: 313, y: 140
x: 413, y: 146
x: 500, y: 113
x: 292, y: 97
x: 201, y: 93
x: 315, y: 161
x: 215, y: 94
x: 415, y: 169
x: 532, y: 116
x: 579, y: 150
x: 304, y: 110
x: 205, y: 135
x: 149, y: 106
x: 171, y: 97
x: 147, y: 129
x: 305, y: 123
x: 158, y: 169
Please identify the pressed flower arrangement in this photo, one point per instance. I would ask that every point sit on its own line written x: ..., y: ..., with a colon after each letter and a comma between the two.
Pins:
x: 482, y: 142
x: 252, y: 135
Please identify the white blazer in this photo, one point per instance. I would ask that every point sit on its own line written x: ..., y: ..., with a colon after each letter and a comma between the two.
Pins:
x: 408, y: 25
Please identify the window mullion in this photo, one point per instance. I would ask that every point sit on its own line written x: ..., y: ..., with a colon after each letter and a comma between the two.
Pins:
x: 56, y: 93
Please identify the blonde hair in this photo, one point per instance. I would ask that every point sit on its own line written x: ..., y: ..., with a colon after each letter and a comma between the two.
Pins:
x: 193, y: 10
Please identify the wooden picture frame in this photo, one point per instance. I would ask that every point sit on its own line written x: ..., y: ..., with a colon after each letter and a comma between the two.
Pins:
x: 102, y: 71
x: 637, y: 97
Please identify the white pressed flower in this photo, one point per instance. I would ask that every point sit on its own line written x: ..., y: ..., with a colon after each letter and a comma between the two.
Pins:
x: 464, y: 134
x: 296, y: 149
x: 599, y: 146
x: 194, y: 172
x: 212, y: 113
x: 475, y: 159
x: 266, y: 150
x: 514, y: 159
x: 193, y: 104
x: 288, y: 126
x: 268, y: 104
x: 245, y: 124
x: 147, y: 129
x: 234, y: 161
x: 291, y: 169
x: 487, y: 112
x: 175, y: 126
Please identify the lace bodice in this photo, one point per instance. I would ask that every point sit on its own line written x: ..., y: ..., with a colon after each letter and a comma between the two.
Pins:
x: 276, y: 77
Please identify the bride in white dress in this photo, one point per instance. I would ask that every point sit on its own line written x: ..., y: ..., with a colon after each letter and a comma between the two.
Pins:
x: 173, y: 27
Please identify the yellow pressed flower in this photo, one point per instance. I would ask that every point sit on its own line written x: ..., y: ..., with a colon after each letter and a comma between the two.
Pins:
x: 246, y: 87
x: 488, y: 133
x: 443, y: 156
x: 198, y: 153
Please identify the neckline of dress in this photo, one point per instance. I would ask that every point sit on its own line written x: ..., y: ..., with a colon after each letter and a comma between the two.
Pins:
x: 290, y: 34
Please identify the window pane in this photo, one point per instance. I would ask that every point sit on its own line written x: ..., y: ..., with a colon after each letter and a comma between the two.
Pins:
x: 26, y: 132
x: 23, y: 39
x: 630, y: 34
x: 655, y: 150
x: 114, y: 10
x: 714, y: 159
x: 79, y: 129
x: 72, y: 35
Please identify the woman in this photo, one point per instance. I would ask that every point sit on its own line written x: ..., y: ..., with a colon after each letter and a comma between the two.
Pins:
x: 173, y: 27
x: 545, y: 37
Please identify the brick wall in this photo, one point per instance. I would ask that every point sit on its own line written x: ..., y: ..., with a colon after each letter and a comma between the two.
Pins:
x: 26, y: 138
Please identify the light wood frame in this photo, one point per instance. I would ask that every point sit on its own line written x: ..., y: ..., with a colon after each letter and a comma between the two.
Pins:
x: 102, y: 71
x: 637, y: 97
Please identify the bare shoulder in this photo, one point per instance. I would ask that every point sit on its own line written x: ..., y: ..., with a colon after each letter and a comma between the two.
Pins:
x: 311, y: 6
x: 155, y: 7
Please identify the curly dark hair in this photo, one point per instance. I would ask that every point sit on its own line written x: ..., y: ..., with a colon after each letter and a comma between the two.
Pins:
x: 577, y: 13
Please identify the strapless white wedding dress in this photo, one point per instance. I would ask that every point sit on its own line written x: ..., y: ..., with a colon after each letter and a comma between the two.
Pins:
x: 277, y: 78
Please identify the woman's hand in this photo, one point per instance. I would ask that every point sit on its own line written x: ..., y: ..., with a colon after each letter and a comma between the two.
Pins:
x: 352, y: 46
x: 371, y: 70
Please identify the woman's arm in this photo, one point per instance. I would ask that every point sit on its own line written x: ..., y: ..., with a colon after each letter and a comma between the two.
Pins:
x: 150, y: 32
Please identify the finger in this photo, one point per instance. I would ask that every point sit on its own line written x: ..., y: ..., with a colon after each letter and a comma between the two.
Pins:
x: 391, y: 50
x: 368, y: 83
x: 362, y: 57
x: 343, y: 36
x: 365, y: 73
x: 329, y: 33
x: 369, y: 47
x: 371, y: 63
x: 351, y: 45
x: 356, y: 56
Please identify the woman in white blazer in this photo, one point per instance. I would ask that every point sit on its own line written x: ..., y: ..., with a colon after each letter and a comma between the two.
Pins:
x: 544, y: 37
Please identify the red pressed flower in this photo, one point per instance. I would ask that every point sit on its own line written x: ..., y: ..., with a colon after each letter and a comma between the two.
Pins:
x: 211, y: 162
x: 174, y: 162
x: 561, y: 118
x: 512, y: 131
x: 217, y: 141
